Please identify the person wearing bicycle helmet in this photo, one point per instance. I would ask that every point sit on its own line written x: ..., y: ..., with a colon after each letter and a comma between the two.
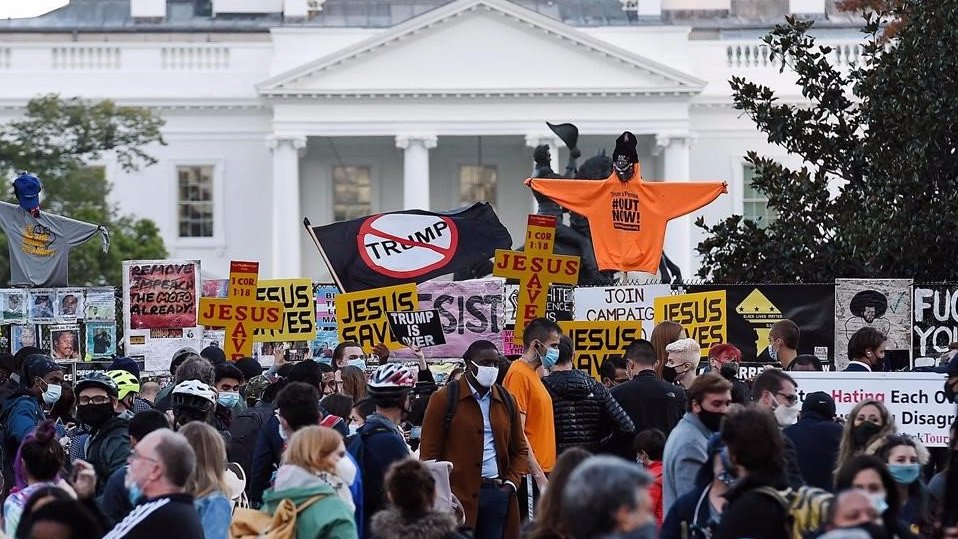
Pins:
x: 108, y: 446
x: 192, y: 400
x: 379, y: 442
x: 127, y: 388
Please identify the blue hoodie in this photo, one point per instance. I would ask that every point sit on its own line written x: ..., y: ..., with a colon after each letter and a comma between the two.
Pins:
x: 376, y: 446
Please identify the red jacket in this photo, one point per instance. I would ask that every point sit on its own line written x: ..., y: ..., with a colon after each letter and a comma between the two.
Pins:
x: 655, y: 490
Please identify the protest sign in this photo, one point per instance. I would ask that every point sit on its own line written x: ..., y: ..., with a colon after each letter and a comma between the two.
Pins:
x: 23, y: 335
x: 509, y: 346
x: 160, y: 293
x: 701, y: 314
x: 558, y: 303
x: 100, y: 304
x: 595, y: 341
x: 240, y: 313
x: 65, y: 342
x: 916, y: 400
x: 299, y: 309
x: 14, y: 305
x: 326, y: 339
x: 468, y: 311
x: 535, y: 269
x: 362, y: 315
x: 883, y: 304
x: 417, y: 329
x: 620, y: 303
x: 753, y: 309
x: 69, y: 305
x: 40, y: 304
x: 935, y: 320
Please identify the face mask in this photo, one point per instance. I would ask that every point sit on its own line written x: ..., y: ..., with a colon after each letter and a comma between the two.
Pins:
x: 228, y: 399
x: 772, y: 353
x: 878, y: 502
x: 52, y: 394
x: 864, y: 432
x: 95, y: 415
x: 549, y: 359
x: 711, y: 420
x: 282, y: 432
x: 486, y: 376
x: 874, y: 531
x: 904, y: 474
x: 133, y: 491
x: 346, y: 470
x: 787, y: 415
x: 353, y: 429
x: 357, y: 363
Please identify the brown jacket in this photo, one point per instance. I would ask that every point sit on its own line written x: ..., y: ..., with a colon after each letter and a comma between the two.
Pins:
x: 462, y: 445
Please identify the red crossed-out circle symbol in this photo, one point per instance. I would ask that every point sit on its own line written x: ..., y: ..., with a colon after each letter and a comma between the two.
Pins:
x: 407, y: 245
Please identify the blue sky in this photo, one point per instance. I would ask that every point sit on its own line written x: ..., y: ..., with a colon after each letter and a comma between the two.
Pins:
x: 27, y: 8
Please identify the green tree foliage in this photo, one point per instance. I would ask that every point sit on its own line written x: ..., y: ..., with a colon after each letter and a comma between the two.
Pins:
x: 56, y: 139
x: 878, y: 195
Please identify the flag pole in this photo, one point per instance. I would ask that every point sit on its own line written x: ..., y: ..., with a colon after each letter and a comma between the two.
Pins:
x: 322, y: 252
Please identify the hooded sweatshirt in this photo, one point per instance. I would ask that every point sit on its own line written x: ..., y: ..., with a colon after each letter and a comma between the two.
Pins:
x: 328, y: 518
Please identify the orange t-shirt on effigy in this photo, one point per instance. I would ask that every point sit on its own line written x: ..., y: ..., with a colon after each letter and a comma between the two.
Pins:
x: 532, y: 399
x: 628, y: 219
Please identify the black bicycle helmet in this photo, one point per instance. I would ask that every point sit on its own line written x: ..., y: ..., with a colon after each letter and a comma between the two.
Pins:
x: 97, y: 379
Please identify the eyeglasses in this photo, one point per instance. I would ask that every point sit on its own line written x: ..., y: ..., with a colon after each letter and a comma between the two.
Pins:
x: 134, y: 455
x: 791, y: 399
x: 99, y: 399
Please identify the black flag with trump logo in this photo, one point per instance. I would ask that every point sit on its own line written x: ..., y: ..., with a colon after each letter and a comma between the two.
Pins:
x: 387, y: 249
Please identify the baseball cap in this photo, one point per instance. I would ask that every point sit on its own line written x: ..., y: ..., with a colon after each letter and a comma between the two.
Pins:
x: 819, y: 402
x: 27, y: 188
x: 950, y: 368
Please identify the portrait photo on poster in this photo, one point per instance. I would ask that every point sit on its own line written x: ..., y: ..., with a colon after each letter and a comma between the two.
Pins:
x: 69, y: 304
x: 22, y: 335
x: 100, y: 339
x: 65, y: 342
x: 14, y: 307
x: 100, y: 304
x: 41, y: 304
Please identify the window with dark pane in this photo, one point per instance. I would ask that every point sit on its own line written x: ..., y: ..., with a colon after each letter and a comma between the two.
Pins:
x: 352, y: 195
x: 195, y: 201
x: 477, y: 183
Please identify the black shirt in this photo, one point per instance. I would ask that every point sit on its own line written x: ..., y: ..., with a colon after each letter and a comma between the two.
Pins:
x: 164, y: 517
x: 650, y: 403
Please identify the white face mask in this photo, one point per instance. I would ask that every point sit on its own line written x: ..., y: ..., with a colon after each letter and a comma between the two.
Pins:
x: 786, y: 415
x: 353, y: 429
x: 486, y: 376
x: 282, y: 432
x: 52, y: 394
x: 346, y: 470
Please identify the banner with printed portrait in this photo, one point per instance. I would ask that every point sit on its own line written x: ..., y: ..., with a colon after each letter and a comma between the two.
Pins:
x: 882, y: 304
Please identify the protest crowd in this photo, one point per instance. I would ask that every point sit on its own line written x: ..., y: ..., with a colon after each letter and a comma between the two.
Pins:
x: 505, y: 448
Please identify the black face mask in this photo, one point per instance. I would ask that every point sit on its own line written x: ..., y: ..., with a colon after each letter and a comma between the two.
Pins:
x: 668, y: 374
x: 95, y: 415
x: 864, y: 432
x: 711, y: 420
x: 875, y: 531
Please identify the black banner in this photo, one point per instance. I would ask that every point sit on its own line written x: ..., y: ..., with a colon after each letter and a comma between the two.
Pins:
x: 752, y: 309
x: 417, y: 328
x: 935, y: 320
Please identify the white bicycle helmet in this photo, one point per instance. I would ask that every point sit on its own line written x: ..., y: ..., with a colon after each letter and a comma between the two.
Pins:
x: 390, y: 382
x: 193, y: 394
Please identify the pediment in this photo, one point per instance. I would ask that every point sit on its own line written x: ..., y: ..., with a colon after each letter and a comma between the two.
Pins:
x: 481, y: 47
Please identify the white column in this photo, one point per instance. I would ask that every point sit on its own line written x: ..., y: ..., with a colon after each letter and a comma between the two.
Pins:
x: 552, y: 142
x: 415, y: 187
x: 287, y: 217
x: 678, y: 236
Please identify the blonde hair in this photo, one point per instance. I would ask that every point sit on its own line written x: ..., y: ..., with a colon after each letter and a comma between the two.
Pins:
x: 310, y: 448
x: 688, y: 349
x: 210, y: 459
x: 847, y: 448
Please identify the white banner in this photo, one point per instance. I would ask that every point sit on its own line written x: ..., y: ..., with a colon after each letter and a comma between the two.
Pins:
x: 621, y: 303
x: 915, y: 399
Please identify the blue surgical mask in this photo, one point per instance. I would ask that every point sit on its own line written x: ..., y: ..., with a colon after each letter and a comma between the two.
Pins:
x: 228, y: 399
x: 904, y: 474
x: 878, y: 502
x: 772, y: 353
x: 550, y: 357
x: 135, y: 493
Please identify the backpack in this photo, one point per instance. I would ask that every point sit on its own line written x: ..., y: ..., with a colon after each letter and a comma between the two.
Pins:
x: 253, y: 524
x: 806, y: 507
x: 453, y: 400
x: 236, y: 481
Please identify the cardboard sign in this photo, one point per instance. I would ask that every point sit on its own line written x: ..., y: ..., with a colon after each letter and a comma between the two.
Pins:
x: 701, y: 314
x: 362, y: 317
x: 299, y: 309
x: 240, y: 313
x: 418, y: 329
x: 536, y: 269
x: 160, y: 294
x: 594, y: 342
x: 619, y: 303
x: 916, y: 400
x: 558, y: 303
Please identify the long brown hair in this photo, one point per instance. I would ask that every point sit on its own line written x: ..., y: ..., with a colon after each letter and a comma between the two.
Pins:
x: 210, y: 459
x: 847, y: 449
x: 354, y: 382
x: 664, y: 334
x: 551, y: 519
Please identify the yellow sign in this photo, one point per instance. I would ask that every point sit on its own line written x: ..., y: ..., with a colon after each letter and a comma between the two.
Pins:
x: 593, y: 342
x: 361, y: 316
x: 703, y: 315
x: 299, y: 309
x: 240, y: 313
x: 757, y: 310
x: 536, y: 269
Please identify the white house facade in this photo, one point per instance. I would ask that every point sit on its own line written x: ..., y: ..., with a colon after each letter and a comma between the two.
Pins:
x: 278, y: 110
